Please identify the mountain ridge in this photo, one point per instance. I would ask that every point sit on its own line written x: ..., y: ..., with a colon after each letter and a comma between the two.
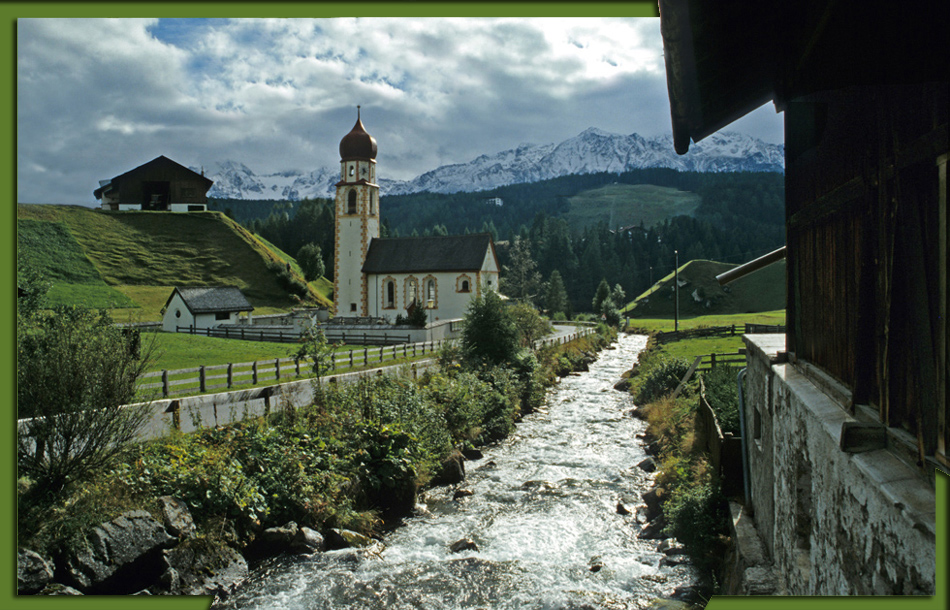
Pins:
x: 591, y: 151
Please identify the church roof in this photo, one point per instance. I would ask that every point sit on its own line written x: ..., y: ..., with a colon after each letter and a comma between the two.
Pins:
x: 419, y: 254
x: 358, y: 144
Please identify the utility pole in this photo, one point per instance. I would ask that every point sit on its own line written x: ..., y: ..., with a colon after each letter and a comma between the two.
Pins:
x: 676, y: 291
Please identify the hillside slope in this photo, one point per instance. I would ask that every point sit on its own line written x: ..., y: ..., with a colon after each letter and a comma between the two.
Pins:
x: 626, y: 205
x: 144, y: 254
x: 701, y: 294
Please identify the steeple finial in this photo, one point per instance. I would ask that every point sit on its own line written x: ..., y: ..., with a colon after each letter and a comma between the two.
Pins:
x: 357, y: 112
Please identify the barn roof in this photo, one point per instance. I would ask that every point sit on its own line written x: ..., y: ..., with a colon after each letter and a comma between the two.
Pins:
x: 418, y: 254
x: 724, y: 59
x: 160, y: 161
x: 212, y: 299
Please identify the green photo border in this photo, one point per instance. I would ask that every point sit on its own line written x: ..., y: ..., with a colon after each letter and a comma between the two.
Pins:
x: 10, y: 11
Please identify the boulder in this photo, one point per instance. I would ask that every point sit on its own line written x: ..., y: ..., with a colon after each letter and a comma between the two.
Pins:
x: 653, y: 530
x: 203, y: 569
x: 126, y: 542
x: 647, y: 465
x: 55, y: 588
x: 33, y: 572
x: 465, y: 544
x: 472, y: 454
x: 596, y: 563
x: 623, y: 385
x: 654, y: 499
x: 621, y: 509
x: 451, y: 471
x: 307, y: 541
x: 277, y: 539
x: 176, y: 517
x: 462, y: 493
x: 345, y: 539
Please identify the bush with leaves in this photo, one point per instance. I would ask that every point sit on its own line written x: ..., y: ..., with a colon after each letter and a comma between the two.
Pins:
x: 489, y: 335
x: 723, y: 396
x: 288, y: 280
x: 661, y: 379
x: 310, y: 259
x: 75, y: 372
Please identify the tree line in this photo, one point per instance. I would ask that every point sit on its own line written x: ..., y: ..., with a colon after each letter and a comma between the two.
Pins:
x: 741, y: 216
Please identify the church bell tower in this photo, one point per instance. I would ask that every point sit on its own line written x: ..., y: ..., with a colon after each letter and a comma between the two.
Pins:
x: 357, y: 220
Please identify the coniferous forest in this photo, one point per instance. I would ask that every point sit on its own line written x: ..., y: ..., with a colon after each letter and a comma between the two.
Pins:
x: 740, y: 216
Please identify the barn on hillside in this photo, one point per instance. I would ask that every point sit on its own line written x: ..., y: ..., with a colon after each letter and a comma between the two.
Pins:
x: 161, y: 184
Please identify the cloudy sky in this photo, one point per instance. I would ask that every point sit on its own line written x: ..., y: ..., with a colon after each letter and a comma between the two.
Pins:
x: 97, y: 97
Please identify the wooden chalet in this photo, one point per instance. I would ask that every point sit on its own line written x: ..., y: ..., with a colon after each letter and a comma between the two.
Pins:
x: 161, y: 184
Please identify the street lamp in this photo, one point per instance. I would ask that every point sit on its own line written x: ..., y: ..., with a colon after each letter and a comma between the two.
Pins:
x: 676, y: 291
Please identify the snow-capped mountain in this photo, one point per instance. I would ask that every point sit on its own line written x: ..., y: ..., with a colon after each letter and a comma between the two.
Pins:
x: 591, y: 151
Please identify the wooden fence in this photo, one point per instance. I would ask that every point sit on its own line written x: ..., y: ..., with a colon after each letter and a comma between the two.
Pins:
x: 707, y: 362
x: 289, y: 335
x: 204, y: 379
x: 716, y: 331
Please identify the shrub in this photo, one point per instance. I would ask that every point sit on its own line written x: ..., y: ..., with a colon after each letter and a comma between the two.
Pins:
x: 661, y: 379
x: 489, y: 335
x: 695, y: 516
x: 287, y: 280
x: 723, y: 396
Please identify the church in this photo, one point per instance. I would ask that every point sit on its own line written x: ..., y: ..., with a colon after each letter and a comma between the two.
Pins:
x: 383, y: 278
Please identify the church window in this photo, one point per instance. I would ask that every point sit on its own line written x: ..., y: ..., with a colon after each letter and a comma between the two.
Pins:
x: 463, y: 284
x: 352, y: 170
x: 352, y: 306
x: 390, y: 294
x: 430, y: 291
x: 372, y: 203
x: 465, y: 287
x: 351, y: 203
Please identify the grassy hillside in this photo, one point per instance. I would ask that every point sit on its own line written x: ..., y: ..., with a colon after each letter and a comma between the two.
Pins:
x: 140, y: 256
x: 701, y: 294
x: 623, y: 205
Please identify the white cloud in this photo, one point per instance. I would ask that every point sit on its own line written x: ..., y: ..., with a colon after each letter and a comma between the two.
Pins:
x: 97, y: 96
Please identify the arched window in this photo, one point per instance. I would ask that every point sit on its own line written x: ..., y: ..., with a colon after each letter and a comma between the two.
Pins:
x: 372, y: 203
x: 351, y: 203
x: 465, y: 286
x: 390, y: 294
x: 430, y: 291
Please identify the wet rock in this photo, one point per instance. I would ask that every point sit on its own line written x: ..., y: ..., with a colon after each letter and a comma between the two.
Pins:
x: 276, y: 539
x: 654, y: 501
x: 472, y: 454
x: 55, y: 588
x: 465, y: 544
x: 307, y: 541
x: 668, y: 604
x: 203, y: 569
x: 691, y: 594
x: 176, y: 517
x: 621, y: 509
x: 653, y: 530
x: 647, y: 465
x: 670, y: 547
x: 462, y: 493
x: 124, y: 542
x: 674, y: 560
x: 623, y: 385
x: 33, y: 571
x: 345, y: 539
x: 596, y: 563
x: 451, y: 471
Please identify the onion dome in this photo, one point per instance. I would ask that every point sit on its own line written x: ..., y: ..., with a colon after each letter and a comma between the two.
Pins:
x: 358, y: 144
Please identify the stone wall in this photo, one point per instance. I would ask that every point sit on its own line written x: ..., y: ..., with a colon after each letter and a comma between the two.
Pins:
x: 833, y: 522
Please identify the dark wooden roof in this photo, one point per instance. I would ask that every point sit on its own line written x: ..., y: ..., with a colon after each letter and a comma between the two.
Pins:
x: 422, y: 254
x: 161, y: 162
x: 724, y: 59
x: 212, y: 300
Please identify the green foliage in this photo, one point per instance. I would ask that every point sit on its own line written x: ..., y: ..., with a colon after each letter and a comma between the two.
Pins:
x: 555, y: 297
x: 602, y: 294
x: 310, y: 259
x: 287, y: 280
x: 520, y: 278
x: 723, y: 396
x: 418, y: 317
x: 314, y: 346
x: 661, y: 379
x: 489, y: 335
x: 75, y: 370
x: 695, y: 515
x: 531, y: 326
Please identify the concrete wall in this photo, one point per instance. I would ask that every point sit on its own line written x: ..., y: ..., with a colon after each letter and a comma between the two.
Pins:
x: 833, y: 522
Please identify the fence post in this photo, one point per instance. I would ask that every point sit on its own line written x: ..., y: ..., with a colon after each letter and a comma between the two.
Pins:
x: 297, y: 366
x: 381, y: 348
x: 712, y: 361
x: 351, y: 358
x: 242, y: 333
x: 230, y: 374
x: 365, y: 352
x: 201, y: 377
x: 254, y: 372
x: 277, y: 369
x: 165, y: 389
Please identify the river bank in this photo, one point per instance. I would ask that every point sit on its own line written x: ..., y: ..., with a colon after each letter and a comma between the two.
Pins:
x: 193, y: 513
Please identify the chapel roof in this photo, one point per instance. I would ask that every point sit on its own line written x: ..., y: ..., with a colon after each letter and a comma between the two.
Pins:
x: 427, y: 254
x: 358, y: 144
x: 212, y: 299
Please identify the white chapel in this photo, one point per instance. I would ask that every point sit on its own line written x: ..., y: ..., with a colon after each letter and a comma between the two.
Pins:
x: 377, y: 277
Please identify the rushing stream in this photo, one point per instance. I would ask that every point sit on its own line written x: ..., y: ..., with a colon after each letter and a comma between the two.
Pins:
x: 543, y: 514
